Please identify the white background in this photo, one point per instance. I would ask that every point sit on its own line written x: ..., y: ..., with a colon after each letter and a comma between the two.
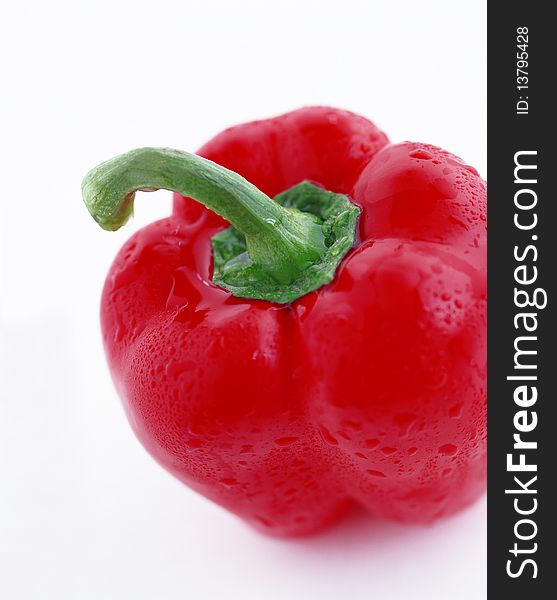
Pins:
x: 84, y: 512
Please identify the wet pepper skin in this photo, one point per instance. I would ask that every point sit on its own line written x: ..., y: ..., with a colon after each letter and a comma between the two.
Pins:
x: 370, y: 390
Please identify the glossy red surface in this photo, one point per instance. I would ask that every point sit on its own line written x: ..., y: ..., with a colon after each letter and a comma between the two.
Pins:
x: 370, y: 390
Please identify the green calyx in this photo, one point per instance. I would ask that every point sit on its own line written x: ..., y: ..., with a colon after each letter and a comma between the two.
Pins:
x: 336, y: 217
x: 276, y: 249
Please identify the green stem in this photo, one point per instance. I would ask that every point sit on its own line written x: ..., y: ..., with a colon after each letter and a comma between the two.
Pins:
x: 280, y: 241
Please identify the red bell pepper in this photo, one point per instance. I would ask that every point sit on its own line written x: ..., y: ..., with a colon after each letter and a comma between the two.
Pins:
x: 305, y: 358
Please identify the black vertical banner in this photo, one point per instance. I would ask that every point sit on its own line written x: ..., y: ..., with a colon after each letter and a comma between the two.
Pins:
x: 522, y: 258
